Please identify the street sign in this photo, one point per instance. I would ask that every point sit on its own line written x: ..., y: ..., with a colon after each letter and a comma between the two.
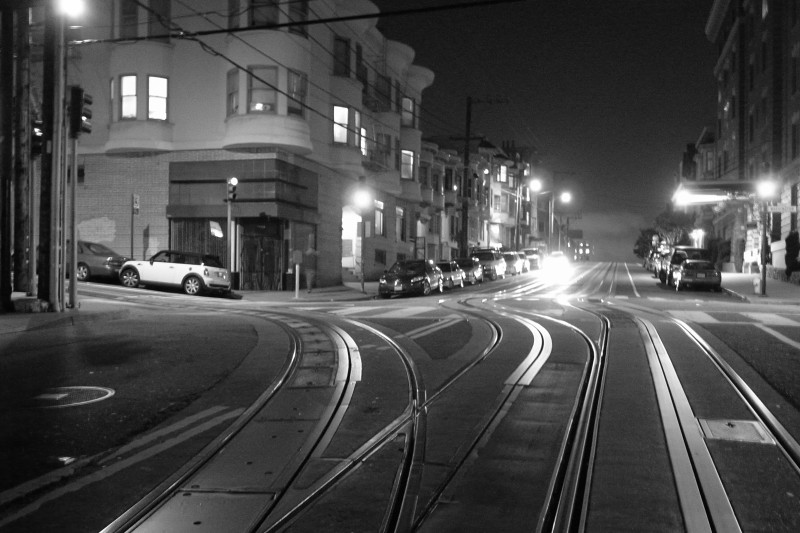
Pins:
x: 783, y: 208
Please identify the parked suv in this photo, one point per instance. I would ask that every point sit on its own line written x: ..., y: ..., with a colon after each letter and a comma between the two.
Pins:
x: 193, y: 272
x: 678, y: 255
x: 494, y: 266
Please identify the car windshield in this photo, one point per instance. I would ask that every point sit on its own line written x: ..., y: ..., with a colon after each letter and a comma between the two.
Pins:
x: 212, y: 261
x: 485, y: 256
x: 465, y: 263
x: 698, y: 265
x: 98, y: 249
x: 444, y: 266
x: 407, y: 268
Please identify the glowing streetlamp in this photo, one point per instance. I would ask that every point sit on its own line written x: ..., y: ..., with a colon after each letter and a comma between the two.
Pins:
x: 232, y: 182
x: 565, y: 197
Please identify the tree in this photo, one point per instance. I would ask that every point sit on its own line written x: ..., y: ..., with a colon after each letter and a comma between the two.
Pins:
x: 645, y: 242
x: 674, y: 228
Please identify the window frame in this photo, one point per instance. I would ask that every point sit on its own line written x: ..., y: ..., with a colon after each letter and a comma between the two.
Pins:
x: 157, y: 98
x: 407, y: 160
x: 340, y: 129
x: 296, y: 92
x: 256, y: 73
x: 232, y: 93
x: 128, y: 98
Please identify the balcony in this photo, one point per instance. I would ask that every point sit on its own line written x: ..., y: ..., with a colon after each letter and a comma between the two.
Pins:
x: 139, y: 136
x: 257, y: 130
x: 450, y: 198
x: 427, y: 196
x: 410, y: 191
x: 438, y: 201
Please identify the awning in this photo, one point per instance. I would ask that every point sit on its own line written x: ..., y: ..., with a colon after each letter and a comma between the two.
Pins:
x: 713, y: 191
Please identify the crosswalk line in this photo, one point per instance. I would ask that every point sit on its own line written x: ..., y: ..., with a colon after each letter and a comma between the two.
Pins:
x: 698, y: 317
x: 771, y: 319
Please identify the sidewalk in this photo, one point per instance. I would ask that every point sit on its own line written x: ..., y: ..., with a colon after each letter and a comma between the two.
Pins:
x: 777, y: 291
x: 27, y: 318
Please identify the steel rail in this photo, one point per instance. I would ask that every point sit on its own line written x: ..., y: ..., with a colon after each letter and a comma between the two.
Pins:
x: 787, y: 443
x: 157, y: 496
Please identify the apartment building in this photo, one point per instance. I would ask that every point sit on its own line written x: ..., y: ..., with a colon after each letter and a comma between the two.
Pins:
x: 187, y: 95
x: 758, y: 121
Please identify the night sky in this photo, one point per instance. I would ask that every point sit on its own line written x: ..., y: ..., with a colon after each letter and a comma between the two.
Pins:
x: 609, y: 92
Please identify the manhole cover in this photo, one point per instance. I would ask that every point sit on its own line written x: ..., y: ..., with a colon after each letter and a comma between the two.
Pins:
x: 738, y: 430
x: 72, y: 396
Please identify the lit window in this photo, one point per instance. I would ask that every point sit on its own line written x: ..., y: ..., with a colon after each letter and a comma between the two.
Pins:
x: 340, y: 124
x: 503, y: 175
x: 128, y: 96
x: 232, y: 99
x: 357, y: 126
x: 296, y: 91
x: 157, y: 98
x: 400, y: 224
x: 262, y: 89
x: 380, y: 229
x: 364, y: 147
x: 407, y: 165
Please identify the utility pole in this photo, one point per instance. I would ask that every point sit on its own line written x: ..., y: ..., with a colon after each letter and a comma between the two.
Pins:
x: 7, y: 169
x: 464, y: 234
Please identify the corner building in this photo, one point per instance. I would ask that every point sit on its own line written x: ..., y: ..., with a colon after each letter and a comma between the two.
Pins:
x: 758, y: 120
x: 189, y: 94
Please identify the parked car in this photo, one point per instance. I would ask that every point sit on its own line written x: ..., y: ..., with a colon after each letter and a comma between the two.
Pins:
x: 697, y: 273
x: 494, y: 266
x: 416, y: 276
x: 473, y: 271
x: 556, y: 267
x: 678, y: 255
x: 97, y: 260
x: 534, y: 257
x: 513, y: 263
x: 195, y: 273
x: 452, y: 275
x: 526, y: 264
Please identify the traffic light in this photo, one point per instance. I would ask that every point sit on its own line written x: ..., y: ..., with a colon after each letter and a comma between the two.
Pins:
x: 37, y: 134
x: 80, y: 112
x: 232, y: 183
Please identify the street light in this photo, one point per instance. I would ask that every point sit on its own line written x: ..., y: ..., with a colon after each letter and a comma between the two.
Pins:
x: 766, y: 190
x: 565, y: 197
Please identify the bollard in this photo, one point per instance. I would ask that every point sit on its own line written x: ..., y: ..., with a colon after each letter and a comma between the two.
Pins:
x: 757, y: 285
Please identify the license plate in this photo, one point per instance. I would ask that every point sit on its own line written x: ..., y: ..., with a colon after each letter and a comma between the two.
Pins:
x: 701, y: 274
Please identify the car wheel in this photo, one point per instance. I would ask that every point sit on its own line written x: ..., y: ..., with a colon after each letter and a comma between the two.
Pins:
x: 385, y: 295
x: 426, y: 287
x: 82, y: 272
x: 130, y: 278
x: 192, y: 286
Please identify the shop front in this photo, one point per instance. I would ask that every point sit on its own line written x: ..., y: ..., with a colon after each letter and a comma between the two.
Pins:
x: 272, y: 213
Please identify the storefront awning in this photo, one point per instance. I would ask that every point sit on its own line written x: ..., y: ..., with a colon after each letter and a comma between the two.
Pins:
x: 713, y: 192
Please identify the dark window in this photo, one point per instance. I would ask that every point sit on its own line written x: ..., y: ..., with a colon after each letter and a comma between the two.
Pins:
x: 159, y: 19
x: 233, y: 14
x: 341, y: 56
x: 263, y: 12
x: 298, y: 12
x: 383, y: 92
x: 128, y: 19
x: 775, y: 229
x: 380, y: 257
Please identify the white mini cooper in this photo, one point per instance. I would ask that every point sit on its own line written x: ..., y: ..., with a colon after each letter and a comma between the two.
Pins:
x: 193, y: 272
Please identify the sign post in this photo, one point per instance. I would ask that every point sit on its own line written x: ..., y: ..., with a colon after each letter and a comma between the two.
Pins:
x: 297, y: 260
x: 134, y: 212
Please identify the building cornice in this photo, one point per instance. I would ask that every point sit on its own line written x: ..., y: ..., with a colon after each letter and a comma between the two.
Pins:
x: 715, y: 18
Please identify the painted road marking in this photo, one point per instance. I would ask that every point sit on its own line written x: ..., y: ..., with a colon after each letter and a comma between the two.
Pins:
x: 698, y: 317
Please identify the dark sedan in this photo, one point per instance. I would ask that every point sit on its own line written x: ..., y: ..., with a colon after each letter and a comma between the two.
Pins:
x: 96, y: 260
x: 473, y: 270
x: 697, y: 274
x: 417, y: 276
